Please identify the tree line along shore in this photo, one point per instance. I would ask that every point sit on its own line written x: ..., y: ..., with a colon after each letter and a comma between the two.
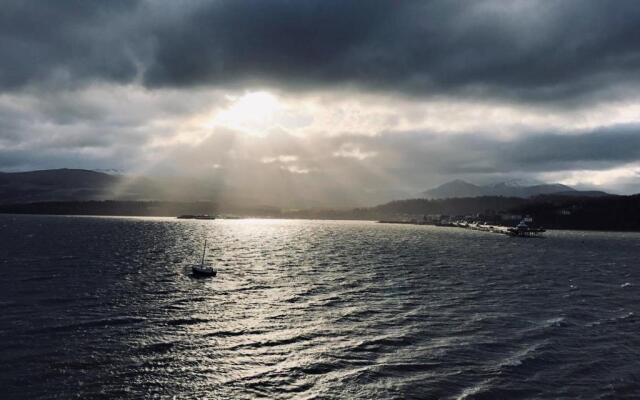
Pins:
x: 552, y: 212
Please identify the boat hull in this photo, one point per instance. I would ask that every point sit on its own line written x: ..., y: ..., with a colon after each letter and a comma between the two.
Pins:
x: 206, y: 271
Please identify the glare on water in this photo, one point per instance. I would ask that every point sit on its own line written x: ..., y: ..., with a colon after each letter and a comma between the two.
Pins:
x: 106, y: 307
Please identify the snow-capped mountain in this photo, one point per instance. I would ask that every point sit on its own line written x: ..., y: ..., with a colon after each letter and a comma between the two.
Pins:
x: 511, y: 188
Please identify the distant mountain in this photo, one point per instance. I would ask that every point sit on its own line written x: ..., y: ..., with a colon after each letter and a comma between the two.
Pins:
x: 79, y: 185
x: 63, y: 177
x: 456, y: 188
x: 55, y: 184
x: 504, y: 189
x: 522, y: 189
x: 76, y: 185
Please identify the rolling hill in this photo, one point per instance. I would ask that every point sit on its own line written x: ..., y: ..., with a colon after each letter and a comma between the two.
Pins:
x: 460, y: 188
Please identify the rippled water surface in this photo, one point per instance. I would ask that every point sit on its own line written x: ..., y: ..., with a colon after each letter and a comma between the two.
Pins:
x: 106, y: 308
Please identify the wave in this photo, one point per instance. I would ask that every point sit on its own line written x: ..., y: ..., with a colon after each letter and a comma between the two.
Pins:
x: 185, y: 321
x: 156, y: 348
x: 97, y: 323
x: 241, y: 332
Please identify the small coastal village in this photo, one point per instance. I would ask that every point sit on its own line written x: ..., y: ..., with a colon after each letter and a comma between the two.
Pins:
x: 502, y: 223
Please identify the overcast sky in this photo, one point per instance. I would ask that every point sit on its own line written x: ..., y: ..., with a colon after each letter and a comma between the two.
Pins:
x: 358, y: 100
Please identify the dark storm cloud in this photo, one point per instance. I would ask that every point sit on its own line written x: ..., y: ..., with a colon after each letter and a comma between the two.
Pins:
x: 65, y: 42
x: 549, y: 152
x: 28, y: 159
x: 533, y: 50
x: 414, y: 153
x: 530, y: 50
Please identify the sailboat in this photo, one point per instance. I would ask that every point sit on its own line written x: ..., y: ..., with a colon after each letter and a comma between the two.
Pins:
x: 202, y: 269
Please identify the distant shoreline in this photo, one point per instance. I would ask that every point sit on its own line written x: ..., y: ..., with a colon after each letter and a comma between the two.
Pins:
x: 173, y: 217
x: 610, y: 214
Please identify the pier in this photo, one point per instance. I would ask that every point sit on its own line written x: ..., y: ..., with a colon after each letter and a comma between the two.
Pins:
x: 520, y: 230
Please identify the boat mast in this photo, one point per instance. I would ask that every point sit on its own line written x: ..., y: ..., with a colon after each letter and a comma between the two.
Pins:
x: 204, y: 250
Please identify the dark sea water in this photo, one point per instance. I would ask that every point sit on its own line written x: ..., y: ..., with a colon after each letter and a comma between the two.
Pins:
x: 105, y: 308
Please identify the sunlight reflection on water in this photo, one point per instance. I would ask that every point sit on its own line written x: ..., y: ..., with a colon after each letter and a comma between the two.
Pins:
x: 105, y: 307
